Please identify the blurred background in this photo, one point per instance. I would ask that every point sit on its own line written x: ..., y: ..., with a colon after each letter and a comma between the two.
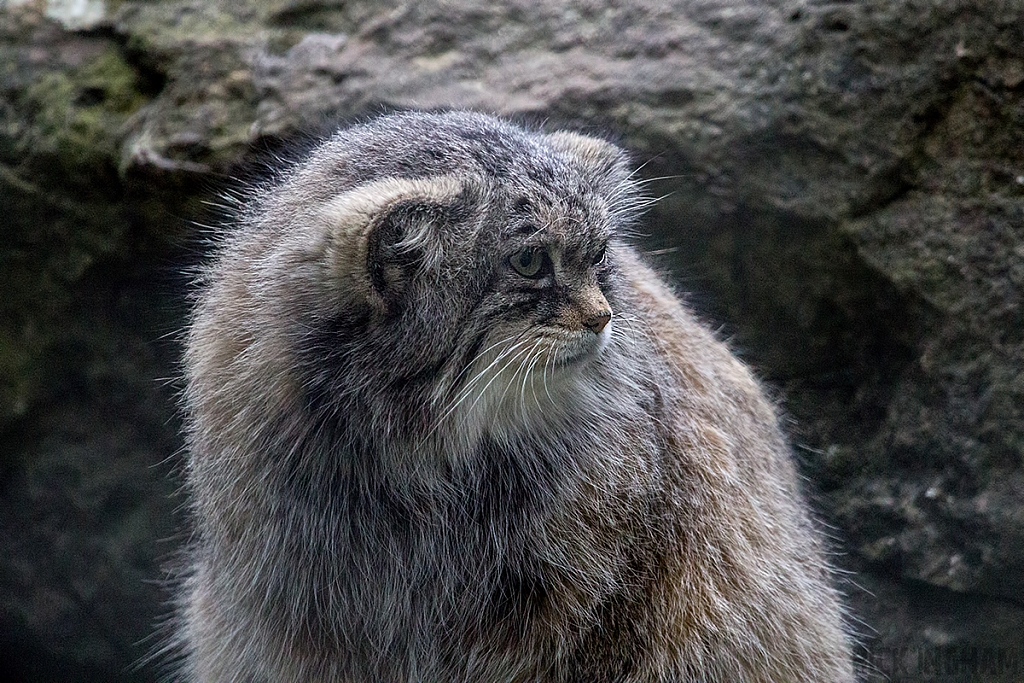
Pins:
x: 842, y: 193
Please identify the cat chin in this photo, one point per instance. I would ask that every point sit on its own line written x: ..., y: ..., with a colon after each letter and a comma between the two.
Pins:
x: 582, y: 349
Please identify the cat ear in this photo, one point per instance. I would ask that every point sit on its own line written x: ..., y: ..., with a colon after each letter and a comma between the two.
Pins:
x: 401, y: 241
x: 384, y: 231
x: 607, y: 163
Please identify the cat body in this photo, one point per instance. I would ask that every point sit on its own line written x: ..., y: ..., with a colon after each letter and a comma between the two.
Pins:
x: 445, y: 426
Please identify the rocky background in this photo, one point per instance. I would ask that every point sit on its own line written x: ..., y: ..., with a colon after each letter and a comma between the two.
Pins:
x: 843, y: 194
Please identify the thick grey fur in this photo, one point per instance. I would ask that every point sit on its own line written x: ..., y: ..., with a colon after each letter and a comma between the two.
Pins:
x: 408, y: 462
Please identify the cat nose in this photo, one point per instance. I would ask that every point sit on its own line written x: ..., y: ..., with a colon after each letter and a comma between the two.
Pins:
x: 597, y: 321
x: 593, y: 309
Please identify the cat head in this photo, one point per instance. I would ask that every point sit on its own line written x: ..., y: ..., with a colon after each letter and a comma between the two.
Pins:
x: 463, y: 259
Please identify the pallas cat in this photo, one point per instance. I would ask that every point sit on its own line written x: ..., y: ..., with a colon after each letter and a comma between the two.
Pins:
x: 445, y: 425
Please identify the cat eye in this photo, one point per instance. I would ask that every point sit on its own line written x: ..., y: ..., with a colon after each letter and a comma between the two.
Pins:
x: 530, y: 263
x: 599, y: 256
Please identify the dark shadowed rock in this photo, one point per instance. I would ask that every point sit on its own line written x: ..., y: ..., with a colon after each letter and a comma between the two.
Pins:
x: 844, y: 194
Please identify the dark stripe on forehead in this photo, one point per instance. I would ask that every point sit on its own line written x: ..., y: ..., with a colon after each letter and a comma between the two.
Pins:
x: 493, y: 164
x: 542, y: 174
x: 495, y: 151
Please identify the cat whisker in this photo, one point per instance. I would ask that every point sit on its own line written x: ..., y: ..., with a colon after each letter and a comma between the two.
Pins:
x: 497, y: 359
x: 479, y: 354
x: 529, y: 374
x: 521, y: 344
x: 466, y: 391
x: 533, y: 360
x: 625, y: 328
x: 640, y: 204
x: 648, y: 181
x: 636, y: 171
x: 512, y: 380
x: 483, y: 392
x: 548, y: 363
x: 636, y: 326
x: 661, y: 252
x: 652, y: 339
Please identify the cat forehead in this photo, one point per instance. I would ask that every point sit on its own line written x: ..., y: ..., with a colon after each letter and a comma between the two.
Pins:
x: 423, y: 145
x: 560, y: 217
x: 528, y: 186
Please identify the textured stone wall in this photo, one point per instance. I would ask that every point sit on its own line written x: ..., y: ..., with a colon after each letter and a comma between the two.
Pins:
x: 843, y: 193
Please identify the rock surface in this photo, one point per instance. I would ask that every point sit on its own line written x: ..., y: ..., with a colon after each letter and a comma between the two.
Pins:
x: 844, y: 193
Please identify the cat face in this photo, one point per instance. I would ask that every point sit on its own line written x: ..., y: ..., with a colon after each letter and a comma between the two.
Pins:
x: 487, y: 289
x: 542, y: 317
